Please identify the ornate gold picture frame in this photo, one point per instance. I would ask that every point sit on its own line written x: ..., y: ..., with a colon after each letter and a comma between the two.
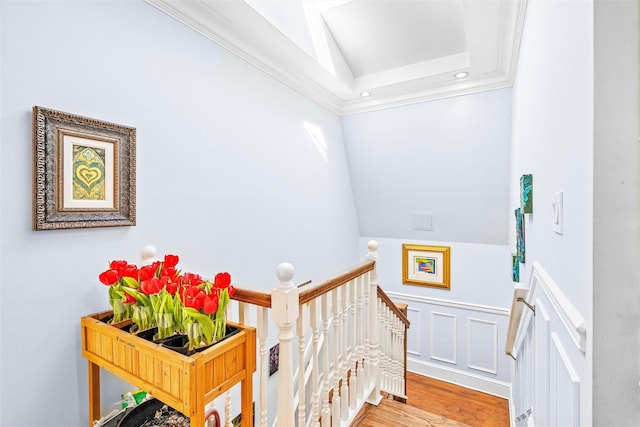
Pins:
x: 426, y: 266
x: 84, y: 172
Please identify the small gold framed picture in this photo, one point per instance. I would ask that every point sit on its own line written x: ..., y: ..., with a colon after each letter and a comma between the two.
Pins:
x: 426, y: 266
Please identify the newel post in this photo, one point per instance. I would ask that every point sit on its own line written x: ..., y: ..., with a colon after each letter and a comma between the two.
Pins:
x: 374, y: 355
x: 284, y: 306
x: 148, y: 254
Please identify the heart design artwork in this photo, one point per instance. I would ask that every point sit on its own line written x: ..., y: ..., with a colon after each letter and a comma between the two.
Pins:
x: 88, y: 174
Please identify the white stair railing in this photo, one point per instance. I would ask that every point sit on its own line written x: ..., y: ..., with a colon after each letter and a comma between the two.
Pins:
x: 350, y: 346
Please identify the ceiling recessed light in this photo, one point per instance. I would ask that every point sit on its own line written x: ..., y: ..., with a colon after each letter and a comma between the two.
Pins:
x: 365, y: 94
x: 461, y: 74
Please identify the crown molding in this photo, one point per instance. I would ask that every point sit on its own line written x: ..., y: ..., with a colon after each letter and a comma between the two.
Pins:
x: 238, y: 28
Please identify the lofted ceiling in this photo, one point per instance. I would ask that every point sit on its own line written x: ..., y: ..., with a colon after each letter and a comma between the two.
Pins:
x: 360, y: 55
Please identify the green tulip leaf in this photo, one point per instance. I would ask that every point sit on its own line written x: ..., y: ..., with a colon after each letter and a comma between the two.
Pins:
x: 142, y: 298
x: 130, y: 282
x: 205, y: 323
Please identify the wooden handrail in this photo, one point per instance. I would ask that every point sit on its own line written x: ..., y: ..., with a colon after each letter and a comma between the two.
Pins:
x: 339, y: 280
x: 515, y: 317
x: 262, y: 299
x: 393, y: 307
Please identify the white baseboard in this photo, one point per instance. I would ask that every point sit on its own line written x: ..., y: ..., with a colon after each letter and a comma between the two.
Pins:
x: 474, y: 382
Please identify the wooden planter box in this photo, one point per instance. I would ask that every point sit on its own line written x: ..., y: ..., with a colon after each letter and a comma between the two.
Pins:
x: 186, y: 383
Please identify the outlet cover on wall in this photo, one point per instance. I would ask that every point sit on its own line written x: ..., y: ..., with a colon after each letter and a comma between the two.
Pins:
x: 423, y: 221
x: 556, y: 210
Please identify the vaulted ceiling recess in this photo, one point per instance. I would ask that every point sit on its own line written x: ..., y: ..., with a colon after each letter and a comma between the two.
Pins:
x: 361, y: 55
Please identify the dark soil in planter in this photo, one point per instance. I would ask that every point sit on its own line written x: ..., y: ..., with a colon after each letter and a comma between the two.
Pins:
x: 154, y: 413
x: 106, y: 319
x: 147, y: 334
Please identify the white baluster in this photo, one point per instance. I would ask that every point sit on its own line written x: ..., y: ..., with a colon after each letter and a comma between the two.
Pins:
x: 263, y: 333
x: 373, y: 325
x: 394, y: 352
x: 284, y: 302
x: 389, y: 322
x: 315, y: 337
x: 353, y: 379
x: 389, y: 345
x: 227, y: 409
x: 403, y: 367
x: 383, y: 345
x: 336, y: 401
x: 326, y: 411
x: 243, y: 313
x: 400, y: 356
x: 361, y: 321
x: 344, y: 360
x: 301, y: 368
x: 366, y: 320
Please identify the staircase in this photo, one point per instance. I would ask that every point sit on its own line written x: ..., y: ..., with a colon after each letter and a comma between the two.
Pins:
x: 342, y: 345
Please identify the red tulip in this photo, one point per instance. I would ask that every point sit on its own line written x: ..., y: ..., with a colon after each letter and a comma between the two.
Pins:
x: 222, y: 280
x: 151, y: 286
x: 170, y: 260
x: 231, y: 290
x: 146, y: 272
x: 192, y: 279
x: 130, y: 270
x: 170, y: 272
x: 194, y: 297
x: 109, y: 277
x: 129, y: 299
x: 210, y: 304
x: 171, y: 287
x: 195, y: 302
x: 157, y: 266
x: 118, y: 265
x: 193, y: 291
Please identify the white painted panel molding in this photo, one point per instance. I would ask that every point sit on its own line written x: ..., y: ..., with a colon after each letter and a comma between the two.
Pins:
x: 541, y: 364
x: 482, y: 345
x: 413, y: 333
x: 550, y: 363
x: 443, y: 337
x: 571, y: 318
x: 565, y: 387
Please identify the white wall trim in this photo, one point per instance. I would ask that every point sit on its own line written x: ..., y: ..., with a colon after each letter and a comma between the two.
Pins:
x: 449, y: 303
x: 474, y: 382
x: 571, y: 318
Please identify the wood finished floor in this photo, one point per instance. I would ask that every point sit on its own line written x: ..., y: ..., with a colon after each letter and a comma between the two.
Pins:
x: 440, y: 399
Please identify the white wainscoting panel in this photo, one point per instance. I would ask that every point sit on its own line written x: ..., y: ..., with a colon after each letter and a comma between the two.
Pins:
x: 541, y: 364
x: 458, y: 342
x: 443, y: 337
x: 482, y: 334
x: 414, y: 341
x: 565, y: 391
x: 551, y: 367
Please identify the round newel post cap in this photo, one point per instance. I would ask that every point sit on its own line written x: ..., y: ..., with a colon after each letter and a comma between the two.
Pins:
x: 148, y: 254
x: 285, y: 272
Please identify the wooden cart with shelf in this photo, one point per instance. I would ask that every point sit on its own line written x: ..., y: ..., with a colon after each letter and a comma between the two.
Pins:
x: 186, y: 383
